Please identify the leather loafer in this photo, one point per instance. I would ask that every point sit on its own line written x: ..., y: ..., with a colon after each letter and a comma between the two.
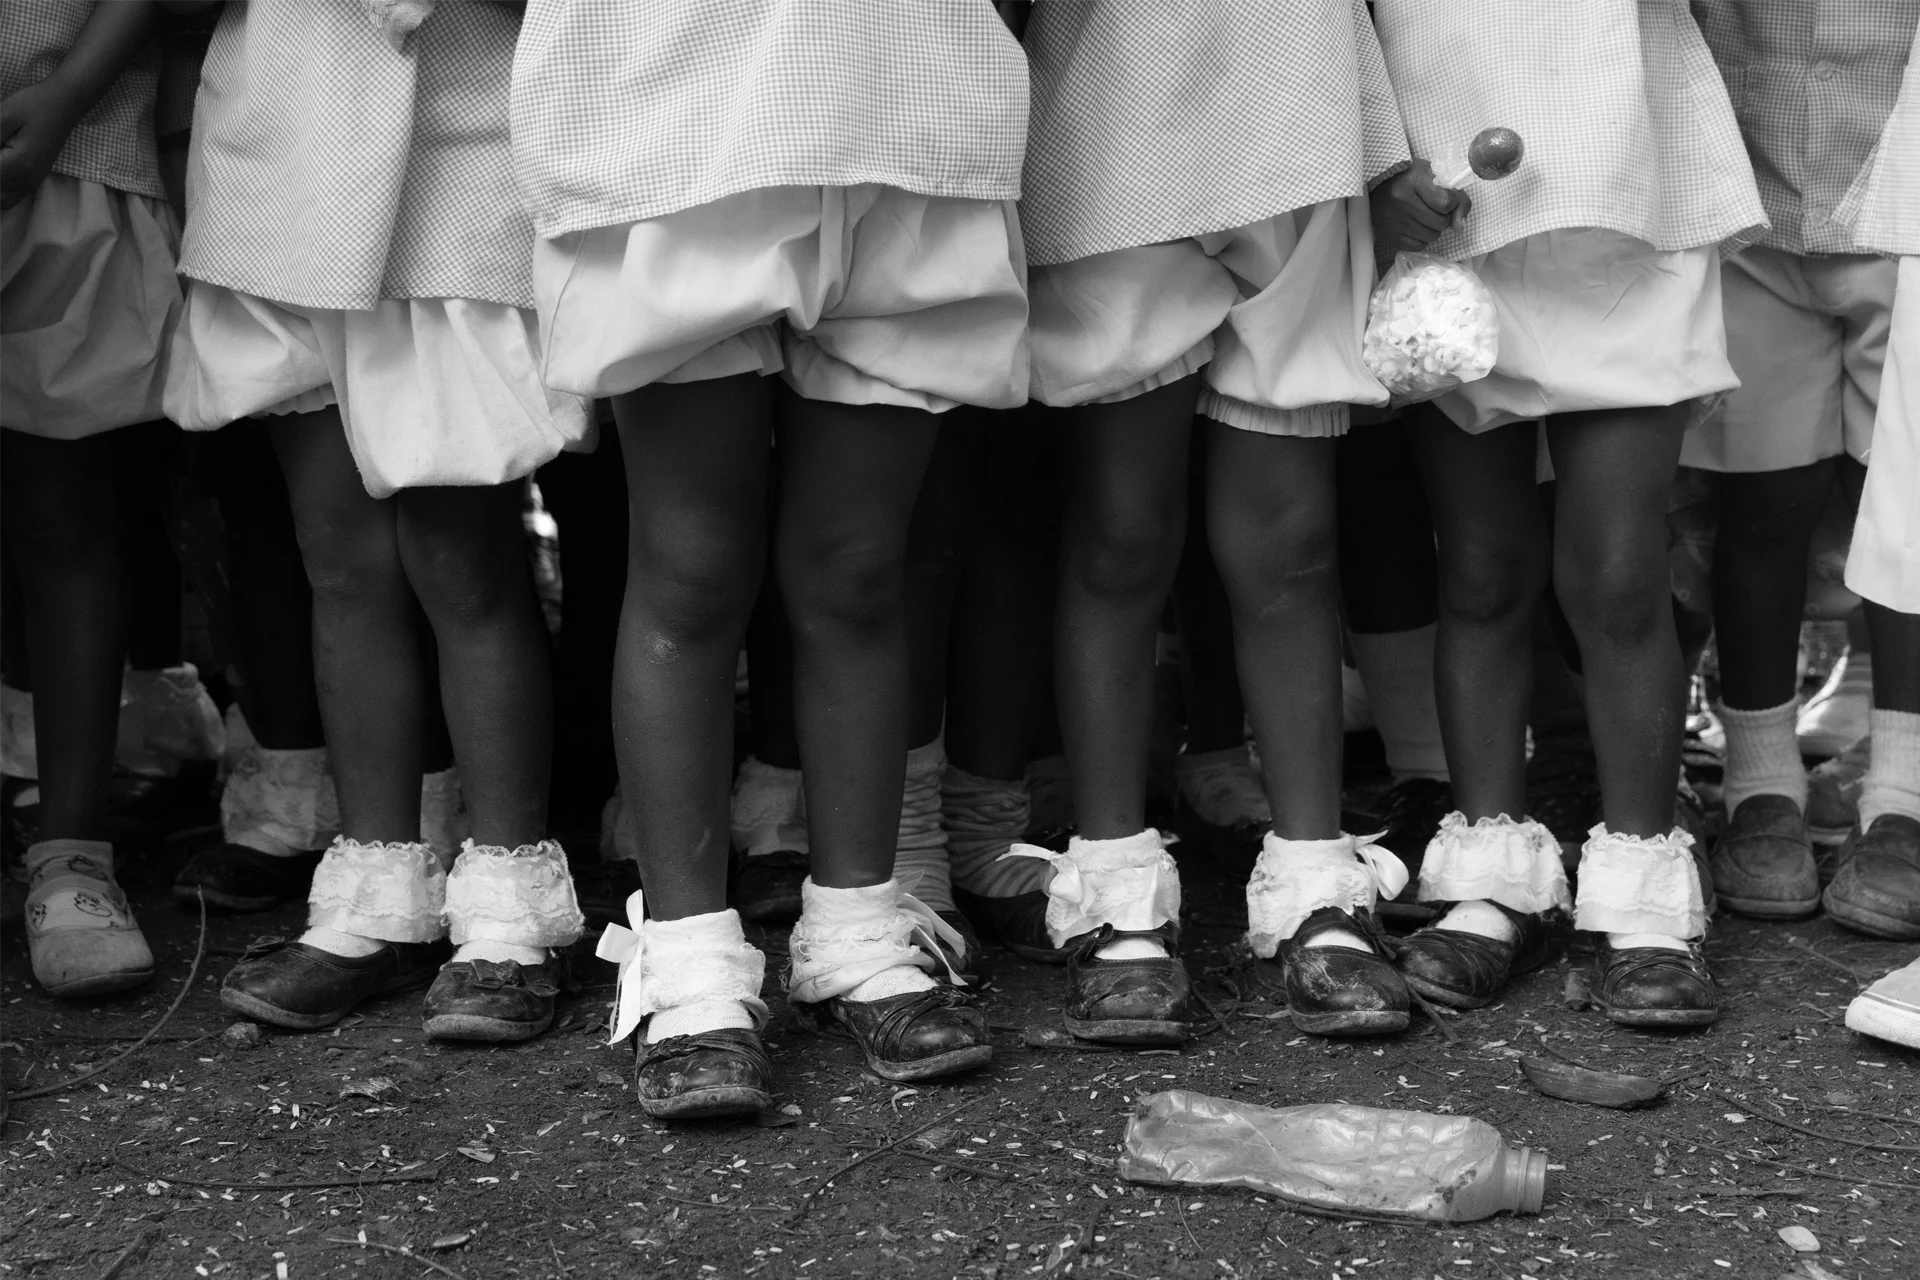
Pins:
x: 766, y: 890
x: 1341, y: 990
x: 1653, y: 986
x: 1145, y: 1001
x: 1018, y: 923
x: 491, y: 1000
x: 1876, y: 886
x: 1763, y: 863
x: 1467, y: 970
x: 303, y: 988
x: 237, y: 878
x: 715, y: 1073
x: 920, y: 1035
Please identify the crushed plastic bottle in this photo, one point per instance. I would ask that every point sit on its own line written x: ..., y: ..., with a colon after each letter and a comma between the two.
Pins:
x: 1410, y: 1164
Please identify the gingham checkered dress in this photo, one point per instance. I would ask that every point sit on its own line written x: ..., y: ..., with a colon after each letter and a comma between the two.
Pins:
x: 1154, y: 122
x: 113, y: 143
x: 329, y: 170
x: 632, y: 109
x: 1812, y: 82
x: 1625, y: 118
x: 1884, y: 206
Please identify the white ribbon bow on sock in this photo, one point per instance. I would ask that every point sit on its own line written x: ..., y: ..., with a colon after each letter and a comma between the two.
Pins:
x: 1384, y: 865
x: 625, y: 946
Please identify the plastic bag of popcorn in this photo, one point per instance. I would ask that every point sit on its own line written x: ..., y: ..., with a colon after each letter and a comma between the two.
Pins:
x: 1431, y: 326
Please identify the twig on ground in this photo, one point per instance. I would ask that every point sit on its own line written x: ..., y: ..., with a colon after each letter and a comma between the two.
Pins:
x: 963, y: 1165
x: 1069, y: 1256
x: 1887, y: 1116
x: 1778, y: 1164
x: 400, y: 1249
x: 428, y: 1175
x: 1826, y: 959
x: 806, y: 1201
x: 1219, y: 1018
x: 120, y: 1259
x: 1435, y: 1016
x: 1753, y: 1191
x: 1179, y: 1202
x: 1566, y: 1058
x: 709, y: 1204
x: 59, y: 1086
x: 1907, y: 1149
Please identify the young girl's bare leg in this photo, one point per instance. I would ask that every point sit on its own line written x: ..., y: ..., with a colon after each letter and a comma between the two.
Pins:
x: 1639, y: 884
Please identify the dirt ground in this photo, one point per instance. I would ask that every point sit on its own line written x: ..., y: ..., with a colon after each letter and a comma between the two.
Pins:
x: 188, y: 1159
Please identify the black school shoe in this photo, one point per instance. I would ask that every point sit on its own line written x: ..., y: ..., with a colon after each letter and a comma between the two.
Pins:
x: 1343, y: 991
x: 766, y: 889
x: 1467, y: 970
x: 1652, y: 986
x: 237, y: 878
x: 1145, y: 1001
x: 303, y: 988
x: 725, y: 1072
x: 493, y: 1000
x: 1018, y: 923
x: 921, y: 1035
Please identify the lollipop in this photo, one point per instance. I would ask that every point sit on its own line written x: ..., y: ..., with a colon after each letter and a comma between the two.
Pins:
x: 1493, y: 154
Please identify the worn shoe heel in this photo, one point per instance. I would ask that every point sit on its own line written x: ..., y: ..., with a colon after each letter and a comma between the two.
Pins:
x: 699, y: 1077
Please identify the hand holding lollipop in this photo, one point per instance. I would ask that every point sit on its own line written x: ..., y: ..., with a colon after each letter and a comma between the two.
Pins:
x: 1493, y: 154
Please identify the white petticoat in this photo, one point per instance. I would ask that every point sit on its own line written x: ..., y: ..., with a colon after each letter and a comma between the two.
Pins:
x: 1884, y: 563
x: 432, y: 391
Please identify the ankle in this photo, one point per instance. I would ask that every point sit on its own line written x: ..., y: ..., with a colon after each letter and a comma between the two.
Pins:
x: 1133, y: 949
x: 1480, y: 917
x: 338, y: 943
x: 696, y: 1019
x: 1657, y: 941
x: 897, y: 981
x: 500, y: 952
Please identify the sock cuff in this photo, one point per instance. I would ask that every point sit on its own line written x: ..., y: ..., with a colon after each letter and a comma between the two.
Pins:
x: 845, y: 936
x: 1892, y: 782
x: 1131, y: 883
x: 667, y: 965
x: 1516, y: 864
x: 1787, y: 712
x: 523, y: 896
x: 1292, y: 879
x: 1640, y: 884
x: 927, y: 760
x: 395, y: 892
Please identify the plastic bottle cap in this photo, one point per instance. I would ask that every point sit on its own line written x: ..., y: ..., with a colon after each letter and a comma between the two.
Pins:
x: 1526, y: 1179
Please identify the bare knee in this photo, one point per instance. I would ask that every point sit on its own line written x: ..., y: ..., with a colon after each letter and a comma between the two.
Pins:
x: 1613, y: 596
x: 850, y: 584
x: 1274, y: 555
x: 692, y: 583
x: 1487, y: 586
x: 1125, y: 557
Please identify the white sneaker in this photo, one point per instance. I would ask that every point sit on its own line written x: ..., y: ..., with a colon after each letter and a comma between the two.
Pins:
x: 1840, y: 714
x: 1890, y: 1008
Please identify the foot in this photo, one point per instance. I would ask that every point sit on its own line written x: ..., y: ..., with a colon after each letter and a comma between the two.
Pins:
x: 1132, y: 1001
x: 1466, y: 969
x: 1890, y: 1008
x: 918, y: 1035
x: 492, y: 1000
x: 1018, y: 923
x: 766, y: 889
x: 81, y: 934
x: 303, y: 988
x: 697, y: 1077
x: 1658, y: 987
x: 1411, y: 813
x: 1833, y: 796
x: 1876, y: 887
x: 1763, y: 865
x: 1341, y: 990
x: 234, y: 877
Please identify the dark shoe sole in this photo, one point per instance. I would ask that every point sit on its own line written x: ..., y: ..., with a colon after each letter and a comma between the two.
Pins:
x: 259, y: 1010
x: 943, y: 1064
x: 1148, y: 1031
x: 1771, y: 908
x: 470, y: 1026
x: 1871, y: 923
x: 1353, y: 1022
x: 189, y: 896
x: 1661, y: 1018
x: 104, y: 984
x: 707, y: 1104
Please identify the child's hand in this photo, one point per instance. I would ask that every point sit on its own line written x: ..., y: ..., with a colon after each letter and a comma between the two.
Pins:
x: 1411, y: 210
x: 34, y: 124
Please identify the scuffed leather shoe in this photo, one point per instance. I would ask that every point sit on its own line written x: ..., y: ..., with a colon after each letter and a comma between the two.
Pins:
x: 237, y: 878
x: 1653, y: 986
x: 303, y: 988
x: 1018, y: 923
x: 766, y: 889
x: 1876, y: 888
x: 1833, y: 796
x: 1340, y: 990
x: 920, y: 1035
x: 1763, y: 863
x: 724, y: 1072
x: 1467, y: 970
x: 492, y: 1000
x: 1144, y: 1001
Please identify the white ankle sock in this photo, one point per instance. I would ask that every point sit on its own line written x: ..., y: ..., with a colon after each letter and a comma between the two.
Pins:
x: 843, y: 933
x: 1480, y: 917
x: 1763, y: 755
x: 920, y: 848
x: 892, y: 982
x: 336, y: 943
x: 488, y: 949
x: 705, y: 961
x: 1661, y: 941
x: 983, y: 817
x: 1397, y: 668
x: 1892, y: 783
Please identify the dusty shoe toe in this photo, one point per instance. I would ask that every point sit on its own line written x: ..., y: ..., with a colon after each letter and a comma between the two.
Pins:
x: 1763, y: 863
x: 715, y: 1073
x: 1341, y: 990
x: 81, y: 934
x: 491, y: 1000
x: 1876, y: 888
x: 302, y: 988
x: 1654, y: 986
x: 920, y: 1035
x: 1143, y: 1001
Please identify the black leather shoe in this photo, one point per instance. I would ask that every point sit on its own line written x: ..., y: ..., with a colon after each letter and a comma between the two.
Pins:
x: 766, y: 890
x: 1652, y: 986
x: 1144, y: 1001
x: 1411, y: 813
x: 303, y: 988
x: 1763, y: 862
x: 493, y: 1000
x: 1342, y: 991
x: 971, y: 961
x: 602, y: 889
x: 1467, y: 970
x: 1018, y: 923
x: 1876, y: 885
x: 716, y: 1073
x: 236, y: 878
x: 921, y: 1035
